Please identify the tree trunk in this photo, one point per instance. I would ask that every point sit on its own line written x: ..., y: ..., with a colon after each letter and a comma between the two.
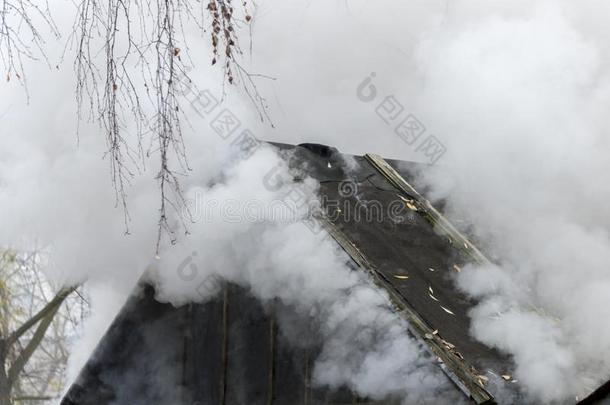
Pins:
x: 5, y: 388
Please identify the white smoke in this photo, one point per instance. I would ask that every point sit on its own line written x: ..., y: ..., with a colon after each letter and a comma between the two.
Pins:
x: 516, y: 91
x: 365, y: 344
x: 527, y: 150
x: 57, y: 191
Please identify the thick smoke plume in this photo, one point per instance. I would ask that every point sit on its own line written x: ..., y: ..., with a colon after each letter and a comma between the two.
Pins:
x: 516, y: 91
x: 528, y: 155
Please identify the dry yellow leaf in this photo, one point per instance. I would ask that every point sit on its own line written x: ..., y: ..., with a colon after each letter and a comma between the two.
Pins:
x: 447, y: 310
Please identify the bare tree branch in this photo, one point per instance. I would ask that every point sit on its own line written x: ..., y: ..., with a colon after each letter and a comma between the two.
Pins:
x: 31, y: 398
x: 149, y: 35
x: 19, y: 36
x: 49, y: 308
x: 34, y: 356
x: 41, y: 330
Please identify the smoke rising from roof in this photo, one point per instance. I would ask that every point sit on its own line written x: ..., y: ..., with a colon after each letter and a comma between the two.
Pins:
x: 365, y: 345
x: 516, y: 91
x: 520, y: 99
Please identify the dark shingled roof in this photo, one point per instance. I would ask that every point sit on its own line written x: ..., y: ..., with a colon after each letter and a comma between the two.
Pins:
x: 229, y: 351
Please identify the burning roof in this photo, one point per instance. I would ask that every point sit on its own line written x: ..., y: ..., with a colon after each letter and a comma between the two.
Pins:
x: 230, y: 350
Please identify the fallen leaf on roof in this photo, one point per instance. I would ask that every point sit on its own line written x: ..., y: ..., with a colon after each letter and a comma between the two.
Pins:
x: 400, y: 277
x: 430, y: 268
x: 433, y: 297
x: 456, y: 268
x: 466, y: 245
x: 429, y: 336
x: 435, y: 332
x: 447, y: 310
x: 507, y: 377
x: 447, y: 344
x: 431, y: 290
x: 408, y: 203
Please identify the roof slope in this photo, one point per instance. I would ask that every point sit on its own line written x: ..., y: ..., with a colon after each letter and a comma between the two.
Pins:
x: 403, y: 243
x: 228, y: 350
